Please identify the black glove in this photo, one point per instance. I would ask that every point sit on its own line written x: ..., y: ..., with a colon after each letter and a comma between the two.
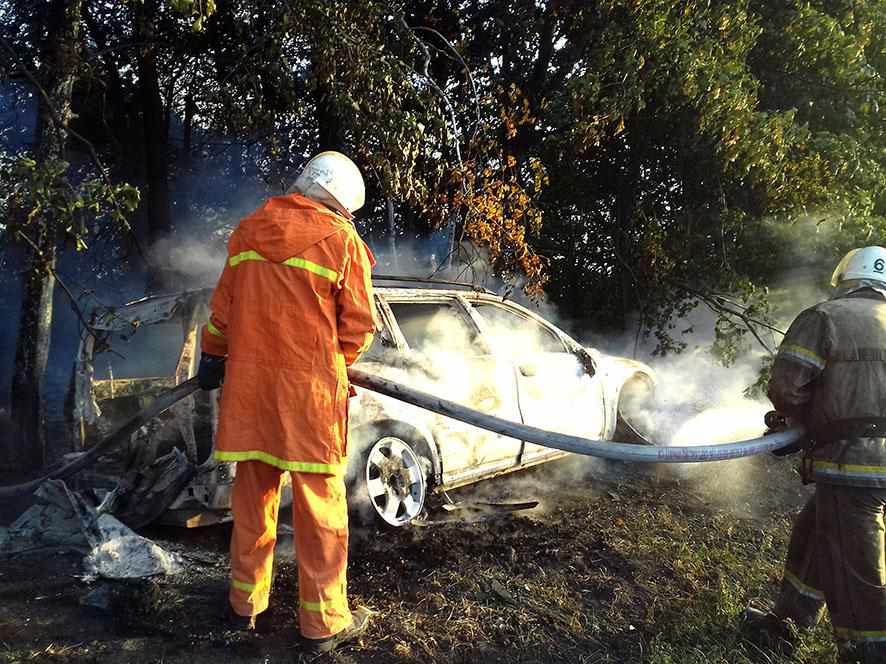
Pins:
x: 211, y: 373
x: 776, y: 422
x: 790, y: 449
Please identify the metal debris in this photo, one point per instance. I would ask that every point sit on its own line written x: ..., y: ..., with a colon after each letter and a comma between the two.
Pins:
x: 66, y: 518
x: 43, y: 526
x: 116, y: 551
x: 144, y: 494
x: 464, y: 512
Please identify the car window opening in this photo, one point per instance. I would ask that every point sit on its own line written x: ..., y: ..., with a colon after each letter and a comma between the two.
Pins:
x: 151, y: 351
x: 512, y: 334
x: 433, y: 328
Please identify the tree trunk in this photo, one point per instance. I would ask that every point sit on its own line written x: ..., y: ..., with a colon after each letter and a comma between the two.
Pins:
x: 155, y: 137
x: 32, y: 348
x: 31, y: 359
x: 190, y: 111
x: 330, y: 130
x: 623, y: 214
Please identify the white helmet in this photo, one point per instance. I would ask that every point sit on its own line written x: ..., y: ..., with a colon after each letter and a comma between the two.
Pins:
x: 334, y: 180
x: 867, y: 263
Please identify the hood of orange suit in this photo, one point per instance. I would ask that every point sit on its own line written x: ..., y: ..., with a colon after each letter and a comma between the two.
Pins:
x: 286, y: 226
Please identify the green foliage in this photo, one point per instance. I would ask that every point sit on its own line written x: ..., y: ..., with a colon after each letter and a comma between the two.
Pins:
x: 617, y: 153
x: 692, y: 147
x: 735, y: 324
x: 198, y: 10
x: 757, y: 390
x: 41, y: 197
x: 372, y: 71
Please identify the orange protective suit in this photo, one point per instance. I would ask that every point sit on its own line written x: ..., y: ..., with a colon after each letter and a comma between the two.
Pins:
x: 293, y: 308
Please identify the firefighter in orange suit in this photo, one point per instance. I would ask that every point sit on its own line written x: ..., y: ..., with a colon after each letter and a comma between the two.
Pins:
x: 292, y: 310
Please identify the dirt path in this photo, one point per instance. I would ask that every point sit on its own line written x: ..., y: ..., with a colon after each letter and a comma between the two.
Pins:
x: 632, y: 569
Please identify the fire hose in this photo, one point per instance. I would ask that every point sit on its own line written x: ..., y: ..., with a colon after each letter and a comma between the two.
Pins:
x: 597, y: 448
x: 157, y: 407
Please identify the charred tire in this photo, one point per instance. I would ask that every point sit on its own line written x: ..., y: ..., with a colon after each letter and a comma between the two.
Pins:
x: 635, y: 397
x: 391, y: 486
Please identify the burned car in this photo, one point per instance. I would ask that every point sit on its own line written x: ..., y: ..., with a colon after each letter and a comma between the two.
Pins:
x: 459, y: 343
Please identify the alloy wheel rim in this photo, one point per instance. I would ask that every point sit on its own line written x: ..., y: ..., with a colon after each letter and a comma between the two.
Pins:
x: 395, y: 481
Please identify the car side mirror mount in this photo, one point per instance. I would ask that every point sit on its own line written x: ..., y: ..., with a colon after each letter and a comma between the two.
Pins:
x: 586, y: 361
x: 528, y: 369
x: 386, y: 340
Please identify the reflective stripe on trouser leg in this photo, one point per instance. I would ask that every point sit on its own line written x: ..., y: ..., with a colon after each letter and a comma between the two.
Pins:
x: 254, y: 504
x: 320, y: 525
x: 853, y: 561
x: 801, y: 598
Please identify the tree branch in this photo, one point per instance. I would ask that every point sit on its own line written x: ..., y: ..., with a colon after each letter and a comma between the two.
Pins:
x: 467, y: 69
x: 74, y: 304
x: 89, y: 146
x: 447, y: 261
x: 426, y: 62
x: 720, y: 302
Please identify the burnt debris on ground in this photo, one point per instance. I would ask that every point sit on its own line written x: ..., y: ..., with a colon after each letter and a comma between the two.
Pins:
x: 639, y: 569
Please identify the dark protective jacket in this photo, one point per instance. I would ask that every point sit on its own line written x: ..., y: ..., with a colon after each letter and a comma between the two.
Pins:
x: 830, y: 375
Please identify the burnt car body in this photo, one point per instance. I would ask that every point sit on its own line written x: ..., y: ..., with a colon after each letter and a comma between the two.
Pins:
x: 469, y: 346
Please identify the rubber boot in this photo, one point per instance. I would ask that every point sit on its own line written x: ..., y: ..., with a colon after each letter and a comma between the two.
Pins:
x: 359, y: 623
x: 260, y: 624
x: 767, y: 630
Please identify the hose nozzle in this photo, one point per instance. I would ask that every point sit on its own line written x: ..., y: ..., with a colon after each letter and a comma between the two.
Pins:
x: 775, y: 421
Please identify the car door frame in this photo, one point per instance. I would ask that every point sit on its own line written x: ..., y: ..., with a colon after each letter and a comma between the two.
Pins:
x: 462, y: 307
x: 584, y: 358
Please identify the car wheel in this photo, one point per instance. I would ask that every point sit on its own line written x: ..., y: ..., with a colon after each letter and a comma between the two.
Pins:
x: 395, y: 479
x: 634, y: 408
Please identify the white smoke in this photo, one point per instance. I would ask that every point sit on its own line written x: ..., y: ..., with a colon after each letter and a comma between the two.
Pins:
x: 698, y: 401
x: 195, y: 261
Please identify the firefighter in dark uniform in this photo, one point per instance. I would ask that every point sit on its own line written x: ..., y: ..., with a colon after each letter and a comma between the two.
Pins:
x: 830, y: 377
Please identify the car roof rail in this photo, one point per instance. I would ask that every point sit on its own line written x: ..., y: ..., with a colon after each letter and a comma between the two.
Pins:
x: 429, y: 280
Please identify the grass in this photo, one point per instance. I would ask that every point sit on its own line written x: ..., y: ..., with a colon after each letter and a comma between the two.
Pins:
x: 633, y: 572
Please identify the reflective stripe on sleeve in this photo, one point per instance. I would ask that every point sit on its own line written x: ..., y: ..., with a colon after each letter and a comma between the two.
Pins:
x: 831, y: 469
x: 867, y: 635
x: 245, y: 587
x: 213, y: 330
x: 802, y: 588
x: 282, y: 464
x: 802, y: 355
x: 300, y: 263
